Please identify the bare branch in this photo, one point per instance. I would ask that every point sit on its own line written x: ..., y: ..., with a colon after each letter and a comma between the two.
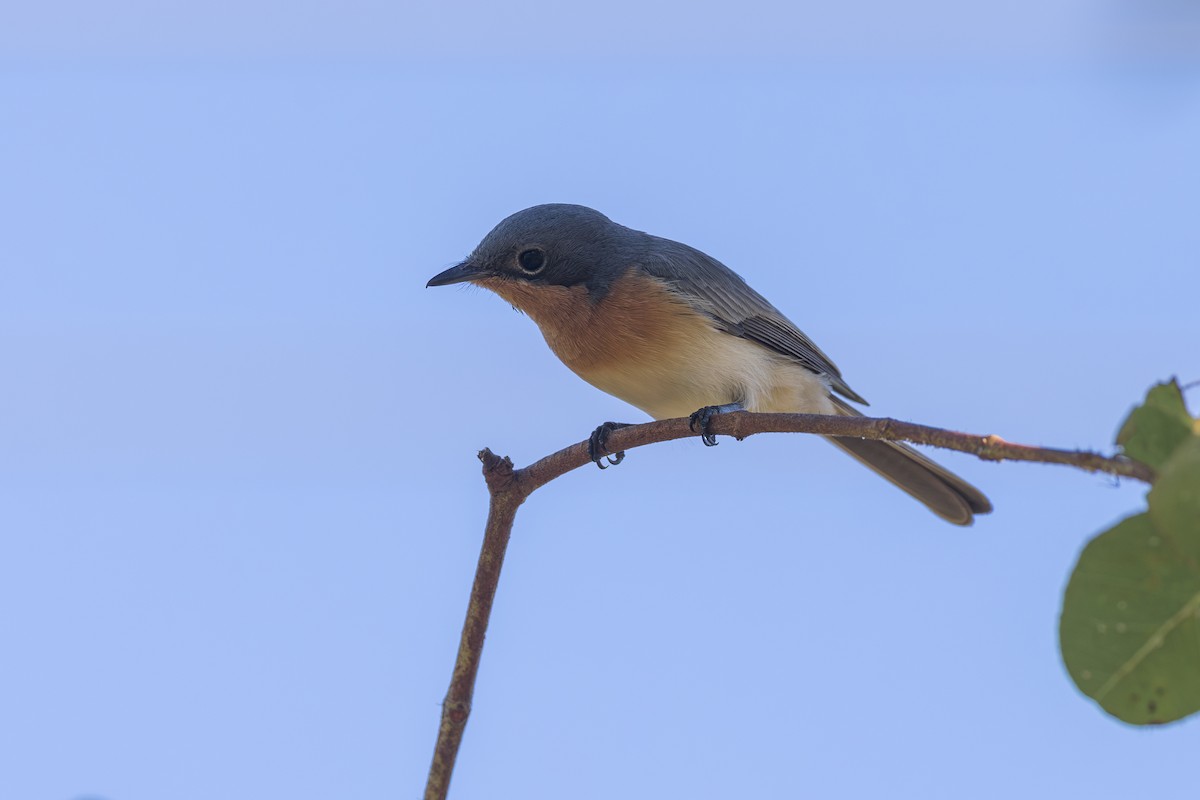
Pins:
x: 743, y: 424
x: 508, y: 492
x: 509, y: 488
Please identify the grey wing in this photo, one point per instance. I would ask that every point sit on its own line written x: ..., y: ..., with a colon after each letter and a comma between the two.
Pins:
x: 736, y: 308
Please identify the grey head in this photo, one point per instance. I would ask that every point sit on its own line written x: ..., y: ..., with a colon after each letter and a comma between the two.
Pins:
x: 554, y: 244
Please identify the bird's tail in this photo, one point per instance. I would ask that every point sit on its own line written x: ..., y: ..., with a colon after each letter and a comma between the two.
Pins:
x: 943, y: 492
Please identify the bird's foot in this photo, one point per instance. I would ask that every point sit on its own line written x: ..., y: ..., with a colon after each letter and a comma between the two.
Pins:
x: 598, y: 445
x: 700, y: 420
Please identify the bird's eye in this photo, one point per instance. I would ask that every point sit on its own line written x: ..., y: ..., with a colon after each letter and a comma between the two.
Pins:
x: 532, y: 261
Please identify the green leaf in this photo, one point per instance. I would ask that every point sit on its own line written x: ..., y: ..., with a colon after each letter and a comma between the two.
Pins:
x: 1130, y: 627
x: 1175, y: 500
x: 1154, y: 429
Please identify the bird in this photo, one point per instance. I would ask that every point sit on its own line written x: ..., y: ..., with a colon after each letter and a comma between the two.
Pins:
x: 676, y: 333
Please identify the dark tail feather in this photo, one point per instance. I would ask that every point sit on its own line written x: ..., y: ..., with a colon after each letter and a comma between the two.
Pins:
x: 943, y: 492
x: 946, y: 494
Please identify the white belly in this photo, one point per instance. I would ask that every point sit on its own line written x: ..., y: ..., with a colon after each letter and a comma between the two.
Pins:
x: 713, y: 369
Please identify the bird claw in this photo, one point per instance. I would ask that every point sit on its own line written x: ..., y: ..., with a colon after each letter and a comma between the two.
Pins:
x: 598, y: 445
x: 700, y: 420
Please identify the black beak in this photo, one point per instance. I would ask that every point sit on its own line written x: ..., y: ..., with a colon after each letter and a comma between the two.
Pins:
x: 459, y: 273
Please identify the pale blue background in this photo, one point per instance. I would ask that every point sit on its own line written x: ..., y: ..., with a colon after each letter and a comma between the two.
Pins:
x: 239, y: 501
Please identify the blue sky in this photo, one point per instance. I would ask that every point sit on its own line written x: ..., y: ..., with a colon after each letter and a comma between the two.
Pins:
x: 239, y: 499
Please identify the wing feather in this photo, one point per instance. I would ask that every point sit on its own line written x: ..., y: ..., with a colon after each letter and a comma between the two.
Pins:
x: 736, y: 308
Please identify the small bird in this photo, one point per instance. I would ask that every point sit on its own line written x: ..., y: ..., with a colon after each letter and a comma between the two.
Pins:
x: 676, y: 333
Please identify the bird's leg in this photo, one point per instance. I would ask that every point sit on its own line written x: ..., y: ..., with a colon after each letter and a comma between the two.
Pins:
x: 598, y: 445
x: 699, y: 420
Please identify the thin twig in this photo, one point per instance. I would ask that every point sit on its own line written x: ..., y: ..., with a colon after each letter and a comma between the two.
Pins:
x: 507, y: 493
x: 509, y: 488
x: 743, y: 424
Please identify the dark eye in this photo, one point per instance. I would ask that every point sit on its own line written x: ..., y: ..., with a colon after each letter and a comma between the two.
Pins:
x: 532, y: 261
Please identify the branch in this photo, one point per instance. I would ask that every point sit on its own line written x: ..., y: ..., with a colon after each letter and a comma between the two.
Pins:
x: 742, y: 424
x: 507, y: 493
x: 509, y: 488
